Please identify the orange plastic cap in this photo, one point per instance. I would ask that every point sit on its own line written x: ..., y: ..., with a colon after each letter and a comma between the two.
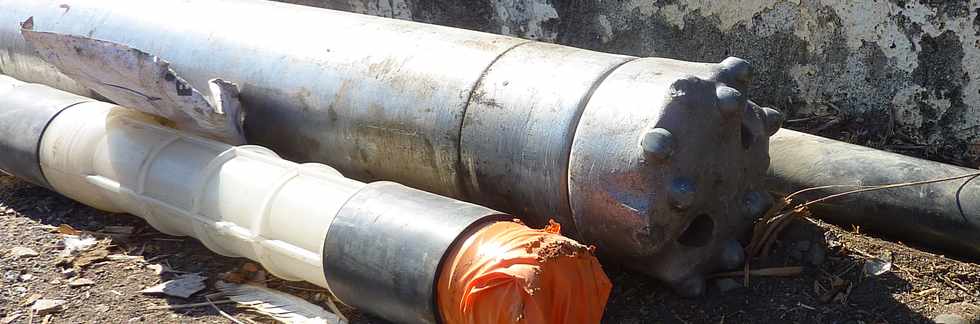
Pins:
x: 507, y: 272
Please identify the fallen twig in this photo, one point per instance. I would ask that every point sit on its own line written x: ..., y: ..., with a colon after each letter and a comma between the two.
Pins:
x: 229, y: 317
x: 956, y: 284
x: 765, y: 272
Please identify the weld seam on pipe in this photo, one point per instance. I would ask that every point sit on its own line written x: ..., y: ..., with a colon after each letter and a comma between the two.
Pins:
x: 463, y: 174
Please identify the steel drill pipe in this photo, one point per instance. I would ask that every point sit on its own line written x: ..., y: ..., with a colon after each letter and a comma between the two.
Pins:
x: 658, y: 162
x: 381, y: 247
x: 943, y: 215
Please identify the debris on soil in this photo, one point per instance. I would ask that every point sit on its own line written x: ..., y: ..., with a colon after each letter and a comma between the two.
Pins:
x: 77, y: 243
x: 122, y: 257
x: 278, y: 305
x: 876, y: 267
x: 23, y: 252
x: 88, y: 257
x: 47, y: 306
x: 80, y: 282
x: 67, y: 230
x: 30, y: 300
x: 951, y: 319
x: 11, y: 318
x: 183, y: 286
x: 157, y: 268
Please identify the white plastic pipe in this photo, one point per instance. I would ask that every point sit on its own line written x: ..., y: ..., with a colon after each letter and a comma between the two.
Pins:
x: 238, y: 201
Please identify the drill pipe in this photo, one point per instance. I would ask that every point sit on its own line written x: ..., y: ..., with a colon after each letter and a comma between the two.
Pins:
x: 658, y: 162
x: 943, y: 215
x: 377, y: 246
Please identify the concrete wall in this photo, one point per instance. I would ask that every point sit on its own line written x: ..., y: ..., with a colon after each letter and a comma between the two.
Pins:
x: 904, y: 75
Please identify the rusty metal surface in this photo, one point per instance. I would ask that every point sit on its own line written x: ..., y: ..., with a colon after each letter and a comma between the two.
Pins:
x: 519, y: 126
x: 660, y: 167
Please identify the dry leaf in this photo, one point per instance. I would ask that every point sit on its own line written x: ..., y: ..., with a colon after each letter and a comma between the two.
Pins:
x: 89, y: 257
x: 68, y: 230
x: 183, y: 286
x: 278, y: 305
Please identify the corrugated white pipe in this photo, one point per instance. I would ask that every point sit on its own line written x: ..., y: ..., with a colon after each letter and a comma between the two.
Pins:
x: 238, y: 201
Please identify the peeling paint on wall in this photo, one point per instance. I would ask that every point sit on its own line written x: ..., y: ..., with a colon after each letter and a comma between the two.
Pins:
x: 902, y: 75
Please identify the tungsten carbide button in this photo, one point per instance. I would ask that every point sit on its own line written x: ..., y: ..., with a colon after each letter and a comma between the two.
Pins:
x: 682, y: 192
x: 757, y: 203
x: 731, y: 255
x: 729, y: 100
x: 658, y: 143
x: 774, y: 120
x: 737, y: 69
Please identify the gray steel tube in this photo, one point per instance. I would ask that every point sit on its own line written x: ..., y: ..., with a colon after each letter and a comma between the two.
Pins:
x: 943, y: 215
x: 28, y: 108
x: 386, y: 243
x: 656, y: 161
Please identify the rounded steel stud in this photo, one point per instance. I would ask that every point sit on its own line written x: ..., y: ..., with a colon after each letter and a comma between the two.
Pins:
x: 729, y: 100
x: 737, y: 69
x: 731, y: 256
x: 658, y: 143
x: 682, y: 192
x: 774, y: 120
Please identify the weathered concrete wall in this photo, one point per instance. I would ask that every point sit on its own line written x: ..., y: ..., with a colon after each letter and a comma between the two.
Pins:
x: 904, y: 75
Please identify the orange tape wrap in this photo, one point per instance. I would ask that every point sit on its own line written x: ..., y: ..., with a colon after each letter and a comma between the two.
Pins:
x: 508, y: 273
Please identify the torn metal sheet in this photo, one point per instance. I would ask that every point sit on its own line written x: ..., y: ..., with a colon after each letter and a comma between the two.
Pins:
x: 142, y: 81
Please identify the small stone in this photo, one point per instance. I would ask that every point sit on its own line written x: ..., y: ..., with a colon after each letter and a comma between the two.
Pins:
x: 23, y: 252
x: 951, y: 319
x: 26, y: 277
x: 69, y: 272
x: 20, y: 289
x: 11, y: 276
x: 80, y: 282
x: 727, y: 284
x: 47, y: 306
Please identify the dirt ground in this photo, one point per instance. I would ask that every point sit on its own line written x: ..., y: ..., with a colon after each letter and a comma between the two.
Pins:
x: 833, y: 287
